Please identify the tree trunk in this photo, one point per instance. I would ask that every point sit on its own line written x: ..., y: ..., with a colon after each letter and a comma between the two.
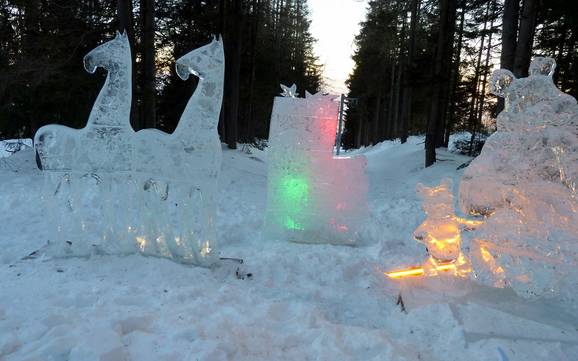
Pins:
x: 509, y: 36
x: 222, y: 32
x: 30, y: 51
x: 454, y: 80
x: 525, y: 38
x: 484, y: 81
x: 249, y: 131
x: 390, y: 109
x: 560, y: 53
x: 409, y: 69
x: 233, y: 64
x: 124, y: 13
x: 125, y: 24
x: 569, y: 83
x: 440, y: 76
x: 357, y: 140
x: 447, y: 66
x: 397, y: 103
x: 375, y: 137
x: 148, y: 108
x: 398, y: 84
x: 472, y: 113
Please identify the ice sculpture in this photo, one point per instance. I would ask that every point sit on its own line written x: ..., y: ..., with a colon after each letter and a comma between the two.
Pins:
x: 103, y: 145
x: 441, y: 231
x: 116, y: 191
x: 186, y: 164
x: 524, y: 182
x: 312, y: 196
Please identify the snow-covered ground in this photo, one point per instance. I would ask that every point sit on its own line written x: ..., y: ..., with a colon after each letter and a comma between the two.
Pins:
x: 301, y: 302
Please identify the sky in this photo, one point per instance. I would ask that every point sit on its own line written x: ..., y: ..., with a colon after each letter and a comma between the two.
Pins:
x: 334, y: 23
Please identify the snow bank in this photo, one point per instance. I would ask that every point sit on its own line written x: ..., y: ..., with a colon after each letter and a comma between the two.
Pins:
x: 302, y: 302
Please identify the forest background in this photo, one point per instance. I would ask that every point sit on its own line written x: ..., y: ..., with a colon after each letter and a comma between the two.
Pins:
x: 421, y: 66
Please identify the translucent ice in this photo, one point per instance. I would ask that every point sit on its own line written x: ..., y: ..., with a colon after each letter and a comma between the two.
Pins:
x: 524, y: 181
x: 313, y: 196
x: 103, y: 145
x: 112, y: 190
x: 441, y: 231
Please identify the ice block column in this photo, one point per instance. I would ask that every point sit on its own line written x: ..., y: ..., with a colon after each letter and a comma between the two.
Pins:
x: 313, y: 197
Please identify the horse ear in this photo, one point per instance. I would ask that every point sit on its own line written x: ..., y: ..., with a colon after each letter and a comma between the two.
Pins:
x: 124, y: 34
x: 117, y: 34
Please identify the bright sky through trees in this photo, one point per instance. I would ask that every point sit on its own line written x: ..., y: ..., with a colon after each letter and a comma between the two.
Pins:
x: 335, y: 24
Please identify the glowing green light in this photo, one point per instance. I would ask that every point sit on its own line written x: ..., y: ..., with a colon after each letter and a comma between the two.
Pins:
x: 295, y: 189
x: 291, y: 224
x: 294, y: 196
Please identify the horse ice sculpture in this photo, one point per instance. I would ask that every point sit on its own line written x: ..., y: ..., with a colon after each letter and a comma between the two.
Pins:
x: 312, y: 196
x: 190, y: 159
x: 149, y: 191
x: 524, y: 182
x: 104, y: 144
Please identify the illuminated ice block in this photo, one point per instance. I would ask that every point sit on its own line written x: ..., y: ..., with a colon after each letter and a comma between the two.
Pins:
x: 524, y: 182
x: 116, y: 191
x: 441, y: 231
x: 312, y: 196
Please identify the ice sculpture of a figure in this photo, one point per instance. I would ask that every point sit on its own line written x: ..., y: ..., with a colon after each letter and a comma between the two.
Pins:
x: 441, y: 231
x: 524, y: 182
x: 312, y: 196
x: 182, y: 168
x: 117, y: 191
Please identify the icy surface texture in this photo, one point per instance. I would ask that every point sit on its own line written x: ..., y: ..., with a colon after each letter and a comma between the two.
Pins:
x: 524, y: 181
x: 115, y: 191
x: 441, y: 231
x: 312, y: 196
x: 104, y: 144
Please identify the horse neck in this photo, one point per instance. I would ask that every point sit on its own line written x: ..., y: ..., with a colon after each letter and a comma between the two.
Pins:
x: 204, y: 107
x: 112, y: 106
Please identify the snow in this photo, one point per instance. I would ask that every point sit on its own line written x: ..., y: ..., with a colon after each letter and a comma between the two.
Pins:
x: 301, y: 302
x: 8, y: 146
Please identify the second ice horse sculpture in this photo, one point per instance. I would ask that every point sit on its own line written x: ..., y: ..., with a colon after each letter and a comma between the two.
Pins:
x: 184, y: 166
x: 127, y: 192
x: 312, y: 196
x: 524, y: 182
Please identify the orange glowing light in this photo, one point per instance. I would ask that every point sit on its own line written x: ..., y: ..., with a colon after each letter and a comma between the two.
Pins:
x: 419, y: 271
x: 440, y: 232
x: 490, y: 261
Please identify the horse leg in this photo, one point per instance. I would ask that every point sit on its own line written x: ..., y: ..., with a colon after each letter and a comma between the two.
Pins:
x: 207, y: 250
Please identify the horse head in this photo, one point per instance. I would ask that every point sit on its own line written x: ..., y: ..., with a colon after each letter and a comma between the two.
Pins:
x: 202, y: 61
x: 109, y: 55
